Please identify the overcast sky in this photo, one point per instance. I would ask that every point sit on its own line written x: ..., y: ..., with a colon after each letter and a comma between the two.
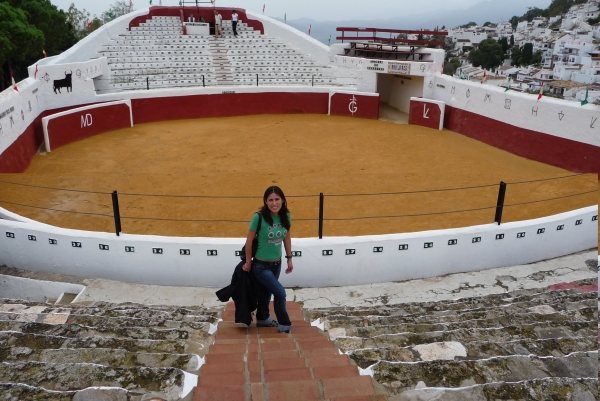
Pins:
x: 320, y: 10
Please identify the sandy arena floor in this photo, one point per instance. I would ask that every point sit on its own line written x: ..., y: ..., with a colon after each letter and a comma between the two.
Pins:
x: 304, y: 155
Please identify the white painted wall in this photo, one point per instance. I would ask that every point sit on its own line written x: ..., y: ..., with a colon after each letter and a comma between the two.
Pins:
x: 550, y: 116
x: 34, y: 290
x: 403, y: 88
x: 312, y: 269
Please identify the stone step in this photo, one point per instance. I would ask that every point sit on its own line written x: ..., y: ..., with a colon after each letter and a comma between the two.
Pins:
x: 585, y: 307
x: 68, y: 377
x: 420, y: 325
x: 537, y: 330
x: 473, y: 350
x: 405, y: 376
x: 556, y: 388
x: 490, y: 302
x: 75, y: 330
x: 19, y: 391
x: 176, y: 313
x: 157, y: 322
x: 44, y: 341
x: 119, y: 358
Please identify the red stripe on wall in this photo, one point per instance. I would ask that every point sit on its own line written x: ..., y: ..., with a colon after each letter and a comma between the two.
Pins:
x: 16, y: 158
x: 82, y: 124
x: 560, y: 152
x: 227, y: 105
x: 352, y: 105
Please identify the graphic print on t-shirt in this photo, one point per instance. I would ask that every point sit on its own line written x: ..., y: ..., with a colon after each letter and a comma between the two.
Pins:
x: 277, y: 233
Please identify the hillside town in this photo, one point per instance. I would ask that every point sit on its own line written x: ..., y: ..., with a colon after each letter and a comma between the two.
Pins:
x: 565, y: 49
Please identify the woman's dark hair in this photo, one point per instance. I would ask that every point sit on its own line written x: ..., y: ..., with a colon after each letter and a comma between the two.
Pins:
x: 283, y: 213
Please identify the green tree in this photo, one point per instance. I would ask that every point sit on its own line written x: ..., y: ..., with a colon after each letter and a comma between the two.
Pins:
x: 19, y: 42
x: 504, y: 43
x: 78, y: 20
x: 488, y: 55
x: 516, y: 57
x: 537, y: 58
x: 527, y: 55
x: 450, y: 66
x: 534, y: 12
x: 512, y: 40
x: 119, y: 8
x: 514, y: 21
x: 58, y: 34
x: 487, y: 23
x: 468, y: 25
x: 558, y: 7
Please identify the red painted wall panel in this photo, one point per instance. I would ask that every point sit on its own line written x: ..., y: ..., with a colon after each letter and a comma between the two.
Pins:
x: 82, y: 124
x: 571, y: 155
x: 17, y: 157
x: 351, y: 105
x: 426, y: 114
x: 227, y: 105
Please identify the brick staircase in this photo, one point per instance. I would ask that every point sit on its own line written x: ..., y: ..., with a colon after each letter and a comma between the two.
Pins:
x: 260, y: 364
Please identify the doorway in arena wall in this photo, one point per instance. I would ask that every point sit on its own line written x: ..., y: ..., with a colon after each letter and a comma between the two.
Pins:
x: 395, y: 92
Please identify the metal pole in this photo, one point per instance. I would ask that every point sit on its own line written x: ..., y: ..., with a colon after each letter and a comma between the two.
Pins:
x: 321, y: 201
x: 313, y: 80
x: 148, y: 83
x: 256, y: 79
x: 500, y: 204
x: 116, y: 213
x: 203, y: 84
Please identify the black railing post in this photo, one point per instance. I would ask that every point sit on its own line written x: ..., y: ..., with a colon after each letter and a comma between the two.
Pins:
x: 116, y: 213
x: 203, y: 83
x: 313, y: 80
x: 256, y: 79
x: 148, y: 83
x: 321, y: 201
x: 500, y: 204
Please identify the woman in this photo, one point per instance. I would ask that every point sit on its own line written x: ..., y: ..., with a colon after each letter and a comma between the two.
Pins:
x: 266, y: 266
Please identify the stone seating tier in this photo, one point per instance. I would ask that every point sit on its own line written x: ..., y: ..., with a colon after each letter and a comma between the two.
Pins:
x: 154, y: 71
x: 180, y: 40
x: 100, y: 350
x: 115, y: 60
x: 157, y: 50
x: 541, y: 342
x: 157, y: 47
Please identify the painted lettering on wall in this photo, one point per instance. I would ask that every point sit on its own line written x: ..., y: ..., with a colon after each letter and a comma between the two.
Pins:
x: 352, y: 107
x: 86, y: 120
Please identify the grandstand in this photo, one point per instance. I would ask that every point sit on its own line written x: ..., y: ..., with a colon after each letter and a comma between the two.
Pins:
x: 427, y: 315
x: 157, y: 54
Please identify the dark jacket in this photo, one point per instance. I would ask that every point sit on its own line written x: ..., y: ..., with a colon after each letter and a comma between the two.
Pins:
x: 244, y: 291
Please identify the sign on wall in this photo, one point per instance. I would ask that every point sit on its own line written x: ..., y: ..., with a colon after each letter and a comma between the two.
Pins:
x: 398, y: 68
x: 354, y: 104
x: 72, y: 125
x: 427, y: 113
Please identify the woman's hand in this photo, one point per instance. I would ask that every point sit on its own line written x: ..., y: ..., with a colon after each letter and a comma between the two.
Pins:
x: 290, y: 267
x: 247, y: 266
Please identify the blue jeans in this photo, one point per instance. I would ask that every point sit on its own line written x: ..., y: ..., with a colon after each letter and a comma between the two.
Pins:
x: 267, y: 275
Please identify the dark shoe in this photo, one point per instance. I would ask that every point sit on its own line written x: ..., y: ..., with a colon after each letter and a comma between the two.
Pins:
x: 285, y: 329
x: 269, y: 322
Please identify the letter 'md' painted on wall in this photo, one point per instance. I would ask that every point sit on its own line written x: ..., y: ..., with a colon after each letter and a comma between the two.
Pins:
x: 86, y: 120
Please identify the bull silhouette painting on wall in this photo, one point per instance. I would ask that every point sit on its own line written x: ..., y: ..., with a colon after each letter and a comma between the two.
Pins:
x: 64, y: 83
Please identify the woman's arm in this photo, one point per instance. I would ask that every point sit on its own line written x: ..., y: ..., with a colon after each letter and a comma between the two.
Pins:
x: 248, y: 265
x: 287, y: 244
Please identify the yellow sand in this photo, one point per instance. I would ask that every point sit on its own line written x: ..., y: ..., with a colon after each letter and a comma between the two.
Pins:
x: 304, y: 155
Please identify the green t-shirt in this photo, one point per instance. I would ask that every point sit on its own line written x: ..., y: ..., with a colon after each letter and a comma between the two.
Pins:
x: 270, y: 238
